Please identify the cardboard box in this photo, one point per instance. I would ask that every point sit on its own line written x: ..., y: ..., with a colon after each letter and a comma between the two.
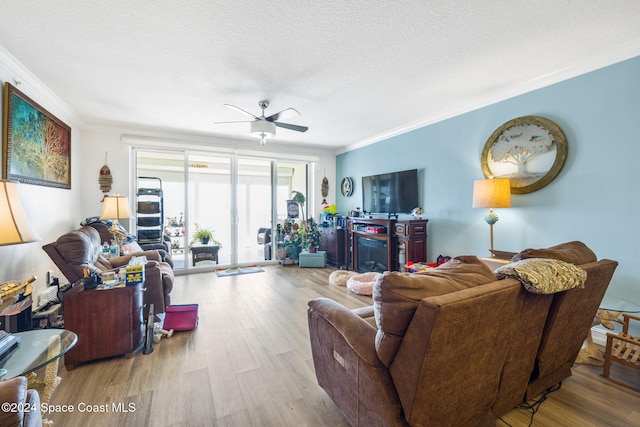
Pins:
x: 134, y: 274
x: 307, y: 259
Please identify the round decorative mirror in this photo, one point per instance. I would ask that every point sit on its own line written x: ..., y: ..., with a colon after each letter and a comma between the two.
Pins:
x: 529, y: 150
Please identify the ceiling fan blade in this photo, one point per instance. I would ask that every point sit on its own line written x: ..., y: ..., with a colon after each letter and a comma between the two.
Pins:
x: 236, y: 121
x: 242, y: 111
x: 291, y: 127
x: 284, y: 114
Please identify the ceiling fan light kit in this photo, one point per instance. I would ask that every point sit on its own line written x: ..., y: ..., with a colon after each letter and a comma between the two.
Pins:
x: 263, y: 130
x: 265, y: 127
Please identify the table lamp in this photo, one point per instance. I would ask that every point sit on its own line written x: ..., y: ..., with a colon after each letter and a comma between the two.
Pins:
x: 14, y: 227
x: 114, y: 208
x: 14, y: 230
x: 492, y: 193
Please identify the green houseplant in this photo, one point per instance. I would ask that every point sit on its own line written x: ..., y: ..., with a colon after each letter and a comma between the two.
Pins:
x: 311, y: 236
x: 299, y: 198
x: 204, y: 236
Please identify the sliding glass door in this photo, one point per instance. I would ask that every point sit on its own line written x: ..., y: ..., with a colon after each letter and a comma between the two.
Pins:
x: 209, y: 206
x: 232, y: 196
x: 254, y: 208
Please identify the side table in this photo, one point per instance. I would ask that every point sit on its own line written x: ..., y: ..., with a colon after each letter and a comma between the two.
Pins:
x: 108, y: 322
x: 201, y: 252
x: 611, y: 309
x: 35, y: 350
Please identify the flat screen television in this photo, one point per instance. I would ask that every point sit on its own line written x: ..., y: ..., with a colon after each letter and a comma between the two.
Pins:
x: 391, y: 193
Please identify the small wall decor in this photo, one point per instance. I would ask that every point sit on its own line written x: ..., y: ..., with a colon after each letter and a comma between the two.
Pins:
x: 36, y: 146
x: 105, y: 179
x: 324, y: 189
x: 346, y: 187
x: 529, y: 150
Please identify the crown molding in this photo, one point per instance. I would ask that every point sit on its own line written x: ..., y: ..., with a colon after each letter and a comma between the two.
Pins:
x: 603, y: 59
x: 205, y: 143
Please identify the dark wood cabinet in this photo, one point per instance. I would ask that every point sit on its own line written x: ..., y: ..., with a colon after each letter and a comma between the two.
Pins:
x: 108, y: 322
x: 411, y: 241
x: 333, y: 242
x: 381, y: 244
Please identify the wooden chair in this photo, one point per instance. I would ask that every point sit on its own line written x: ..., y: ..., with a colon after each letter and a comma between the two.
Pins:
x: 622, y: 348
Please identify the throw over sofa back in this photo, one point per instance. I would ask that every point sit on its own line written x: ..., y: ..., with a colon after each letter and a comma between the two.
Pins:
x: 560, y: 345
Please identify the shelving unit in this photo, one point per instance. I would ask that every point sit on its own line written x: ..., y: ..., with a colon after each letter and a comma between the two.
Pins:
x: 176, y: 236
x: 150, y: 210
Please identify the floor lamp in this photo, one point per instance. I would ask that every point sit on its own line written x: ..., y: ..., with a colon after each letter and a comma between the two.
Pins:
x: 492, y: 193
x: 114, y: 208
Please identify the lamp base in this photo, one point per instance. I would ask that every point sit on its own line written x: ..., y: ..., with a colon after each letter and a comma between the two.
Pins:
x: 119, y: 236
x: 491, y: 217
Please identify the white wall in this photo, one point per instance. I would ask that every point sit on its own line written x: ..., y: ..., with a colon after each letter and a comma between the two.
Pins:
x: 51, y: 211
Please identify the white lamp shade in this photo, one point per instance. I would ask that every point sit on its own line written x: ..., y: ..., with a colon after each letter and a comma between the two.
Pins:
x: 263, y: 129
x: 492, y: 193
x: 14, y: 227
x: 116, y: 207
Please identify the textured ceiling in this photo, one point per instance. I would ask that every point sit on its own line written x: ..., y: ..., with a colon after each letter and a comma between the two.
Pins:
x: 356, y: 70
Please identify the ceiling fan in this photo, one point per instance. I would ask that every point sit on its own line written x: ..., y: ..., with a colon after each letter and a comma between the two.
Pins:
x: 265, y: 127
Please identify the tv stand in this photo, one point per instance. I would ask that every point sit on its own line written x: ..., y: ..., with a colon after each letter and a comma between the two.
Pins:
x: 385, y: 244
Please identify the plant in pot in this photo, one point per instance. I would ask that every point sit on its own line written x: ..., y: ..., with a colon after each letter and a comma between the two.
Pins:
x: 311, y: 236
x: 204, y: 236
x: 299, y: 198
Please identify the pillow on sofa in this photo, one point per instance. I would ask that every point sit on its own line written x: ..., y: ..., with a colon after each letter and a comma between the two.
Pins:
x: 573, y: 252
x: 396, y: 296
x: 544, y: 275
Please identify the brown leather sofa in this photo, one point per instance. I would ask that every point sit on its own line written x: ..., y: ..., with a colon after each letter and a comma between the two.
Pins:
x: 25, y: 410
x: 456, y: 348
x: 81, y: 248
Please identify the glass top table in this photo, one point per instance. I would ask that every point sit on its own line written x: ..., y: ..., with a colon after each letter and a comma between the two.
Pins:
x: 619, y: 304
x: 36, y: 349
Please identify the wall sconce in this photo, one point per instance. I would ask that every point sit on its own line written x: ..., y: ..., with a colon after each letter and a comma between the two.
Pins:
x: 492, y: 193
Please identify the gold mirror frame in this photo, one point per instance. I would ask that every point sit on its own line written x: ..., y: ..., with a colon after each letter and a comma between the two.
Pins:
x: 550, y: 139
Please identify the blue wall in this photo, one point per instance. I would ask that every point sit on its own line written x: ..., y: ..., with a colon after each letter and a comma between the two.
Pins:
x: 594, y: 199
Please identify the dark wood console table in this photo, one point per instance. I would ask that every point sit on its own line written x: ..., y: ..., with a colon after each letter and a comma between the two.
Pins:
x: 389, y: 243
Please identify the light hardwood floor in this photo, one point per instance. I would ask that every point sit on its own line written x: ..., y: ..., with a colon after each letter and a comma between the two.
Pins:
x: 249, y: 364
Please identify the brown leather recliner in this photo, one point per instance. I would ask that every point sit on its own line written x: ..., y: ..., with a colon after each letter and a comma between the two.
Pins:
x: 106, y: 236
x: 27, y: 404
x: 466, y: 357
x: 80, y: 249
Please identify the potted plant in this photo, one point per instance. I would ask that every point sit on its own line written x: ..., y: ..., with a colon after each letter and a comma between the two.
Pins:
x: 311, y: 236
x: 204, y: 236
x: 299, y: 198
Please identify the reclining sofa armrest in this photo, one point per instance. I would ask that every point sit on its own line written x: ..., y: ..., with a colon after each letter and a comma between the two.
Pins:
x: 357, y: 333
